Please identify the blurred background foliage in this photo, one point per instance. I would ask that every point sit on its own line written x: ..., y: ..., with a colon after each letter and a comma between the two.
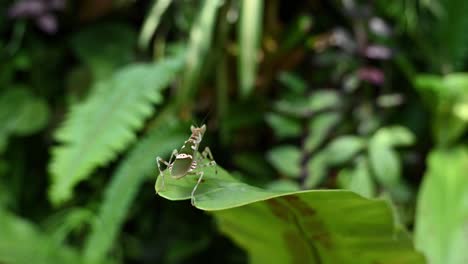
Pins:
x: 370, y: 96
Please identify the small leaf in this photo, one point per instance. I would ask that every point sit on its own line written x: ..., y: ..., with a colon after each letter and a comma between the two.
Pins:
x: 344, y: 148
x: 300, y: 106
x: 395, y: 136
x: 358, y: 179
x: 442, y: 210
x: 286, y: 160
x: 284, y: 127
x: 316, y: 170
x: 293, y: 82
x: 319, y: 128
x: 384, y: 162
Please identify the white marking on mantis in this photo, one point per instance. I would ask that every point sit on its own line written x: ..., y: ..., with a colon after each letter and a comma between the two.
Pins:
x: 184, y: 156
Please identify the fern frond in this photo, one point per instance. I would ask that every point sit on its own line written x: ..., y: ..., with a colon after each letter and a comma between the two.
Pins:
x: 105, y: 124
x: 124, y: 185
x: 22, y: 243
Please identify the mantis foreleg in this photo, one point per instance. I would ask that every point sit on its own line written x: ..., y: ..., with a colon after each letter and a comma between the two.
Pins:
x: 159, y: 160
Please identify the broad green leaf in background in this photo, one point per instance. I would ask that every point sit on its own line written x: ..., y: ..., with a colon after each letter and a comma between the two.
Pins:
x: 152, y: 22
x: 250, y: 30
x: 96, y: 130
x: 442, y: 213
x: 105, y: 47
x: 201, y: 36
x: 125, y: 183
x: 31, y: 114
x: 22, y: 243
x: 286, y: 159
x: 321, y: 226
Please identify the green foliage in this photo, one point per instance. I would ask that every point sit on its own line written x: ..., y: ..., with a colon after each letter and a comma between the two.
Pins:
x: 449, y: 32
x: 443, y: 208
x: 309, y: 226
x: 447, y: 98
x: 297, y: 101
x: 104, y: 48
x: 343, y: 149
x: 31, y: 114
x: 22, y: 243
x: 105, y: 124
x: 122, y: 189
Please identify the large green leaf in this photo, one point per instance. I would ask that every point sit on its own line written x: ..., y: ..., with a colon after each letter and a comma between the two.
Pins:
x: 442, y: 213
x: 124, y: 186
x: 105, y: 124
x: 322, y: 226
x: 22, y: 243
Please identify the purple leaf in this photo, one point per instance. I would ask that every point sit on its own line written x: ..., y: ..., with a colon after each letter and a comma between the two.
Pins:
x: 379, y: 27
x: 372, y: 75
x: 27, y: 8
x: 47, y: 23
x: 377, y: 52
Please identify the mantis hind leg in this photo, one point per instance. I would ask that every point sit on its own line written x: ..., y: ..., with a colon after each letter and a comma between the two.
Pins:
x: 192, y: 196
x: 208, y: 155
x: 159, y: 160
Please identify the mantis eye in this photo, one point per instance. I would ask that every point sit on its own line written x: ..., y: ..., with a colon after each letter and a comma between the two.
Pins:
x: 203, y: 129
x: 192, y: 128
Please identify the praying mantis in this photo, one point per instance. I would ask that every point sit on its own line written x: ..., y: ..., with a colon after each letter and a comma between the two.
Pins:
x: 188, y: 160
